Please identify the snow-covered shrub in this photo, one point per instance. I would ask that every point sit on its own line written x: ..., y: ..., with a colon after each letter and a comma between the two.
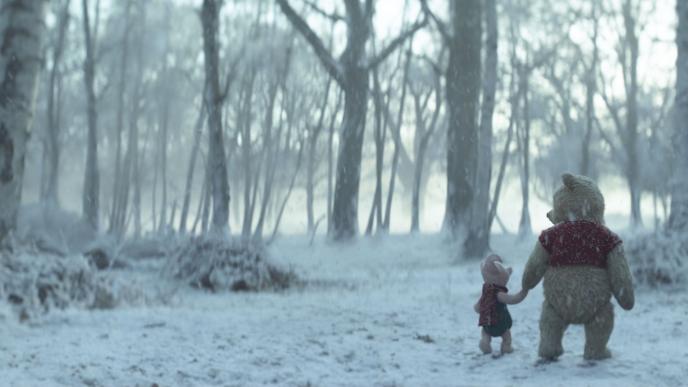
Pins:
x: 221, y: 264
x: 34, y: 283
x: 659, y: 258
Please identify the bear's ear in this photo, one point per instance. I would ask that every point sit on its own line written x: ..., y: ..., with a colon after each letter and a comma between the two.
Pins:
x: 569, y: 180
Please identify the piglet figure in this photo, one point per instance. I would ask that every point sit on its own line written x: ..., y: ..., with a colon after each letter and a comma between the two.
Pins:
x: 495, y: 319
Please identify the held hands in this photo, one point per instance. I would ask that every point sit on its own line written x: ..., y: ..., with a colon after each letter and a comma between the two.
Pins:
x: 512, y: 299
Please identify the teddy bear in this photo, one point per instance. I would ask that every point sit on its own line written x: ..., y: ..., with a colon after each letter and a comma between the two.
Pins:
x: 583, y: 265
x: 495, y: 319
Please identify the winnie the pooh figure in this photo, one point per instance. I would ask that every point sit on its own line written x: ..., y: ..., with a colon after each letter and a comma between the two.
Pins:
x: 583, y: 265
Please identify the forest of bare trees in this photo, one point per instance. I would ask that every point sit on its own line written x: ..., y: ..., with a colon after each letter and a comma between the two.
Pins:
x: 255, y: 118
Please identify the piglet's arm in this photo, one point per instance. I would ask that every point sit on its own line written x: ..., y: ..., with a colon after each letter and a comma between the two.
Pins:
x: 510, y: 299
x: 536, y: 267
x: 476, y: 307
x: 620, y: 278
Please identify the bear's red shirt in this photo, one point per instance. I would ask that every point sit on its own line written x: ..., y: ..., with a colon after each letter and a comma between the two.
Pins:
x: 580, y: 242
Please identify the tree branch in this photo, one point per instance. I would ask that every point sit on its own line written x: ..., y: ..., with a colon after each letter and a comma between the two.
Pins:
x: 325, y: 57
x: 605, y: 137
x: 440, y: 25
x: 231, y: 73
x: 385, y: 52
x: 334, y: 16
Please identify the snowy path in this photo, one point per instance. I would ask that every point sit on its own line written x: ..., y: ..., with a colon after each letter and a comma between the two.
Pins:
x: 393, y: 312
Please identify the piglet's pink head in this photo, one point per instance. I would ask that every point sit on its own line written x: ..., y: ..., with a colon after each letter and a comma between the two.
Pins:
x: 493, y: 270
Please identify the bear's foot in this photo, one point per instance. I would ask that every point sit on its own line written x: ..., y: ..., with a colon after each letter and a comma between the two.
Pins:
x: 592, y: 354
x: 550, y: 354
x: 597, y: 332
x: 552, y: 328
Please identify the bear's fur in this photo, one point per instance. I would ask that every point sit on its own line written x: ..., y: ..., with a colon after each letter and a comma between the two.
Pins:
x: 578, y: 294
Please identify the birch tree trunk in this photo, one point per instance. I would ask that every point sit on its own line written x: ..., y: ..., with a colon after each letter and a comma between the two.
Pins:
x: 90, y: 200
x: 678, y: 220
x: 216, y: 151
x: 478, y: 240
x: 23, y: 28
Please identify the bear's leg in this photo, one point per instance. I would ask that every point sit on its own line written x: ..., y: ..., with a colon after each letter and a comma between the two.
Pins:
x: 485, y: 342
x: 552, y: 329
x: 506, y: 342
x: 597, y: 332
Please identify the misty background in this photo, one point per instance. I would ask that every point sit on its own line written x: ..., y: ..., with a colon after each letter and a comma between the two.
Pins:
x: 149, y: 73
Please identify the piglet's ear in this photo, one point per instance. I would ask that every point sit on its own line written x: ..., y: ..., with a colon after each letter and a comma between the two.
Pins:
x: 500, y: 267
x: 569, y: 180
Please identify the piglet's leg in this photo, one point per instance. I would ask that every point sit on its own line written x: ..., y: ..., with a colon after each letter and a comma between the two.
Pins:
x: 485, y: 342
x: 506, y: 342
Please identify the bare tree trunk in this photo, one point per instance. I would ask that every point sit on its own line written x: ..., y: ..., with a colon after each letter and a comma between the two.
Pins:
x: 201, y: 202
x: 92, y: 179
x: 312, y: 147
x: 514, y: 101
x: 478, y: 241
x: 463, y: 92
x: 51, y: 157
x: 192, y: 166
x: 524, y: 226
x: 351, y: 72
x: 678, y: 220
x: 162, y: 158
x: 380, y: 135
x: 590, y: 91
x: 217, y: 161
x: 269, y: 151
x: 425, y: 136
x: 631, y: 145
x: 20, y: 64
x: 246, y: 154
x: 130, y: 170
x: 396, y: 133
x: 121, y: 90
x: 330, y: 162
x: 289, y: 190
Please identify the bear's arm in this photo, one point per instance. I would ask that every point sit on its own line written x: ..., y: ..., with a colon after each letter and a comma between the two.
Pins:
x: 620, y: 278
x: 536, y: 267
x: 476, y: 307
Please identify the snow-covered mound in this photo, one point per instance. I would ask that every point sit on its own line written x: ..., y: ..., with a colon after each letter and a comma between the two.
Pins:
x: 36, y: 283
x: 226, y: 264
x: 658, y: 258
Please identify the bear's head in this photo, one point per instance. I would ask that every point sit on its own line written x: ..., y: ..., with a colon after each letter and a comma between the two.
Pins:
x: 578, y: 198
x: 494, y: 272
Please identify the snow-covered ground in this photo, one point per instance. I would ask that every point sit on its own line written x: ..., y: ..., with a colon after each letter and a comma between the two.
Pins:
x: 382, y: 312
